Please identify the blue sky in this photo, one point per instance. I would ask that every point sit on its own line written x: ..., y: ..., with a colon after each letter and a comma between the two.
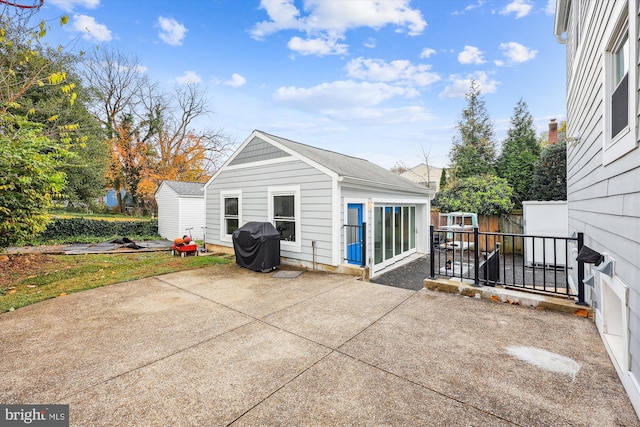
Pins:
x: 378, y: 80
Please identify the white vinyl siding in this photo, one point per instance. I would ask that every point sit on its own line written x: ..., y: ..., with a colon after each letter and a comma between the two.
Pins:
x: 168, y: 208
x: 177, y: 213
x: 191, y: 216
x: 255, y: 180
x: 603, y: 191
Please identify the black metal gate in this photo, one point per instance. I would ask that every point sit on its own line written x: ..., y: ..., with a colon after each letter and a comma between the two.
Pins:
x: 545, y: 266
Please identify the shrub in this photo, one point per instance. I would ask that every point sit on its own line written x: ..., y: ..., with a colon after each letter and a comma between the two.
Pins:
x: 66, y: 228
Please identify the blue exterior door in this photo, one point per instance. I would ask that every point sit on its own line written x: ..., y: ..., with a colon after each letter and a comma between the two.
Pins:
x: 354, y: 234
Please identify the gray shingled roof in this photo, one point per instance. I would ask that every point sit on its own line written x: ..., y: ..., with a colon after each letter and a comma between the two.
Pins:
x: 350, y: 167
x: 186, y: 188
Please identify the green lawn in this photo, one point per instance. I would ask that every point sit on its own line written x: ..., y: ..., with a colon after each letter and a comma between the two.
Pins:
x: 39, y: 277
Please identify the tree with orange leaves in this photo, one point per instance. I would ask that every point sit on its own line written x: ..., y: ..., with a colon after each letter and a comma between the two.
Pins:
x: 152, y: 132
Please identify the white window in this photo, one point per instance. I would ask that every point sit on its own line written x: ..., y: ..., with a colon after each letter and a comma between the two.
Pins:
x: 284, y: 214
x: 230, y: 213
x: 620, y: 135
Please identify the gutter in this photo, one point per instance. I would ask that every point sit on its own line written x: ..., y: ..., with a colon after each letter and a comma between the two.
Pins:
x: 360, y: 181
x: 561, y: 21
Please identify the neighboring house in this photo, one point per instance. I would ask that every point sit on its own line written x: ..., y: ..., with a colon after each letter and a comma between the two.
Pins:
x: 310, y: 194
x: 111, y: 198
x: 603, y: 166
x: 428, y: 176
x: 180, y: 207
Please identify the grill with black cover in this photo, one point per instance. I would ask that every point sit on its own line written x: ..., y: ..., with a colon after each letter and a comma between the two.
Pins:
x: 257, y: 246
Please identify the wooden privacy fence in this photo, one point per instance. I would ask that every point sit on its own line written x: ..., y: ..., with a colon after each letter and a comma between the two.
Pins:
x: 511, y: 223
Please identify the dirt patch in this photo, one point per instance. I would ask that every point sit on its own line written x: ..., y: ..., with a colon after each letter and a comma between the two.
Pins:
x: 14, y: 268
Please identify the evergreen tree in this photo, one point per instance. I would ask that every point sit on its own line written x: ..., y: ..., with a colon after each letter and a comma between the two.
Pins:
x: 473, y: 151
x: 549, y: 180
x: 520, y: 151
x: 443, y: 178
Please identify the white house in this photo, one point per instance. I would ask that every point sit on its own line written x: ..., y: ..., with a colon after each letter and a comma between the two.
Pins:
x: 180, y: 207
x: 603, y: 166
x: 429, y: 176
x: 313, y: 196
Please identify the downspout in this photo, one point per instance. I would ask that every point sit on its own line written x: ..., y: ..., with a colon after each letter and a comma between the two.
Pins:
x: 561, y: 21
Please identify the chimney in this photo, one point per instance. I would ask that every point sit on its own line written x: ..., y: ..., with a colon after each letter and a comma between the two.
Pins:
x: 553, y: 132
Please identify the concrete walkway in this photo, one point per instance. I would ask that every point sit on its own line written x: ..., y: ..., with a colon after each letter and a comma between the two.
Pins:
x: 223, y: 345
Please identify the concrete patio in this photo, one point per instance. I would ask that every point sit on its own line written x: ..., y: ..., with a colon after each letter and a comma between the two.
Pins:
x: 224, y: 345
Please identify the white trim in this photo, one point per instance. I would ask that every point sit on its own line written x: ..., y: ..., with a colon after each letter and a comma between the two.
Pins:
x: 250, y: 165
x: 625, y: 140
x: 289, y: 190
x: 336, y: 195
x: 224, y: 237
x: 621, y: 362
x: 365, y: 219
x: 383, y: 203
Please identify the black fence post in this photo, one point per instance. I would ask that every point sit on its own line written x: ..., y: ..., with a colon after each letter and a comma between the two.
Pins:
x: 432, y: 253
x: 581, y: 298
x: 363, y: 262
x: 476, y: 257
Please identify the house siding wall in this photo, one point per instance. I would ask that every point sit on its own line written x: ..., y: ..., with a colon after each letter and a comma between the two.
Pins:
x: 168, y: 209
x: 254, y: 180
x: 191, y: 216
x: 604, y: 201
x: 258, y: 150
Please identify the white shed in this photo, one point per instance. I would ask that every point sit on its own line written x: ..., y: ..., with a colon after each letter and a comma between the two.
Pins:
x: 180, y: 207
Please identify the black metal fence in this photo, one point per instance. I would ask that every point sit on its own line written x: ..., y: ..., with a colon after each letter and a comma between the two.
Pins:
x: 546, y: 266
x: 356, y: 240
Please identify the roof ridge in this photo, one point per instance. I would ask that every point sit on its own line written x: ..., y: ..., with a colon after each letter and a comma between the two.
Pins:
x: 314, y: 147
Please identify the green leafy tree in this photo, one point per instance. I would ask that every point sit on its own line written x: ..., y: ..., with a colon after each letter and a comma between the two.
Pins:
x: 482, y: 194
x: 550, y: 173
x: 31, y: 173
x: 520, y: 151
x: 69, y: 123
x: 30, y: 178
x: 473, y: 151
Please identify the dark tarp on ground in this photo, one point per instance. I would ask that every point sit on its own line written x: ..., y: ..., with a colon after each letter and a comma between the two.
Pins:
x: 257, y: 246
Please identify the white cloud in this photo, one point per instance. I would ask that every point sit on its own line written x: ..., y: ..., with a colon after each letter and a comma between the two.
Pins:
x: 318, y: 47
x: 236, y: 80
x: 460, y: 85
x: 550, y: 8
x: 141, y: 68
x: 409, y: 114
x: 470, y: 55
x: 470, y: 7
x: 499, y: 62
x: 69, y: 5
x: 340, y: 95
x: 91, y: 29
x: 171, y: 31
x: 520, y: 8
x: 401, y: 71
x: 189, y: 77
x: 517, y: 53
x: 427, y: 52
x: 370, y: 43
x: 330, y: 20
